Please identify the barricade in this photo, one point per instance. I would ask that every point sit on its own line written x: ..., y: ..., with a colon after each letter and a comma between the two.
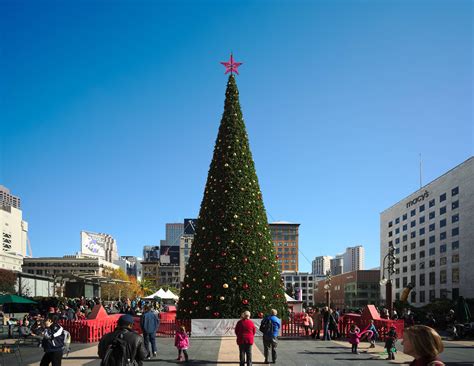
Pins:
x: 382, y: 325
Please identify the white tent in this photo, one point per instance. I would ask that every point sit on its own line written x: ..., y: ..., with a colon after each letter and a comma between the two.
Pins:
x: 170, y: 295
x: 294, y: 305
x: 160, y: 293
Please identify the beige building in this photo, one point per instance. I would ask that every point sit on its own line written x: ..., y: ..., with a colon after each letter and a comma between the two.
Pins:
x: 151, y: 272
x: 14, y: 233
x: 7, y: 199
x: 185, y: 245
x: 285, y: 241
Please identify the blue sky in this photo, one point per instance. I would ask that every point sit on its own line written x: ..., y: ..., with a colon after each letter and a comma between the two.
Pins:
x: 110, y: 110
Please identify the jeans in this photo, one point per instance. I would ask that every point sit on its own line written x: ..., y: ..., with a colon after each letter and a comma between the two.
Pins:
x: 327, y: 336
x: 270, y: 343
x: 245, y: 351
x: 150, y: 338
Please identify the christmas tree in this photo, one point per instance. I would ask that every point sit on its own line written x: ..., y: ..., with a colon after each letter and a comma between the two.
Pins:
x: 232, y: 266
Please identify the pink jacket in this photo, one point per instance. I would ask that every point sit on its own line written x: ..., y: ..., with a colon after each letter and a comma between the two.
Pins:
x: 354, y: 336
x: 181, y: 340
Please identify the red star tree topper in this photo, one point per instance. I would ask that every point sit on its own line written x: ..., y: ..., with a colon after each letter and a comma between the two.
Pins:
x: 231, y: 66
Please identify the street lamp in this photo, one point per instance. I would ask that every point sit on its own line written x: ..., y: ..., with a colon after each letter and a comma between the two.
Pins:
x: 388, y: 281
x: 327, y: 287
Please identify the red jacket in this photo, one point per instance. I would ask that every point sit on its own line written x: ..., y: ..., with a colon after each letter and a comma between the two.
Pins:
x: 245, y: 331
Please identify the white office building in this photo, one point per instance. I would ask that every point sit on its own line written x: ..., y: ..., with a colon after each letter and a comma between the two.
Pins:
x: 354, y: 259
x: 14, y: 232
x: 432, y: 231
x: 321, y: 265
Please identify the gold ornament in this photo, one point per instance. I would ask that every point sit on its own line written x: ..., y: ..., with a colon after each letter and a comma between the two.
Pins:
x: 225, y: 285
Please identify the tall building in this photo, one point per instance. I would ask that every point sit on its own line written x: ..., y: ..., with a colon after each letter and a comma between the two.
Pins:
x: 300, y: 283
x: 14, y: 232
x: 99, y: 245
x: 321, y: 265
x: 354, y: 259
x: 173, y: 234
x: 285, y: 240
x: 131, y: 265
x: 432, y: 233
x: 337, y: 264
x: 7, y: 199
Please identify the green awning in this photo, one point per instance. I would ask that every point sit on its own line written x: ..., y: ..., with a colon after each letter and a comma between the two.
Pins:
x: 14, y: 299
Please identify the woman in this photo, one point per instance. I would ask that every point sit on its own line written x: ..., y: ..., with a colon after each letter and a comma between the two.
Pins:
x: 245, y: 331
x: 424, y: 344
x: 317, y: 323
x: 307, y: 323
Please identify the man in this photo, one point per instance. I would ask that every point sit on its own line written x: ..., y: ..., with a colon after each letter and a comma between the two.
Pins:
x: 122, y: 346
x: 149, y: 323
x: 326, y: 320
x: 270, y: 339
x: 53, y: 342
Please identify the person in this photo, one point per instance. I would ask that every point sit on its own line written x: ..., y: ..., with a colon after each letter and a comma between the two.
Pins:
x: 270, y: 339
x: 375, y: 334
x: 307, y: 323
x: 390, y: 341
x: 317, y: 323
x: 424, y: 344
x: 149, y: 324
x: 181, y: 342
x: 245, y: 332
x: 354, y: 338
x: 52, y: 342
x: 123, y: 344
x: 24, y: 330
x: 326, y: 322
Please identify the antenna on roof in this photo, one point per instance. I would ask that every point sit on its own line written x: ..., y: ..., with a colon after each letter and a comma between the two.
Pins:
x: 421, y: 184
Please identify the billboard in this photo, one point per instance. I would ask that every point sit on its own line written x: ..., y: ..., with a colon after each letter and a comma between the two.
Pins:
x: 169, y: 255
x: 190, y: 226
x: 93, y: 244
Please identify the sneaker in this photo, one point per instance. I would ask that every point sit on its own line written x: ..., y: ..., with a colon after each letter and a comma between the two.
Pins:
x: 154, y: 354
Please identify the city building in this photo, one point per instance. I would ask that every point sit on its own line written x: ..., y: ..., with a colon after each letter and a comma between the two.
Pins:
x: 99, y: 245
x: 68, y: 266
x: 285, y: 241
x: 354, y: 259
x: 321, y: 265
x: 131, y: 265
x: 14, y: 231
x: 337, y: 264
x: 432, y: 233
x: 300, y: 286
x: 174, y: 233
x: 350, y: 290
x: 185, y: 245
x: 7, y: 199
x: 151, y: 272
x: 169, y: 276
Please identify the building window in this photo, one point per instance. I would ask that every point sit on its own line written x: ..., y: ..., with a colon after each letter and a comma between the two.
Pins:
x: 454, y: 191
x: 422, y: 231
x: 413, y: 245
x: 442, y: 210
x: 413, y: 223
x: 422, y: 296
x: 405, y: 237
x: 455, y: 231
x: 405, y: 258
x: 431, y: 215
x: 390, y: 234
x: 442, y: 248
x: 405, y: 227
x: 442, y: 197
x: 413, y: 234
x: 390, y: 224
x: 422, y: 220
x: 442, y: 276
x: 422, y: 265
x: 405, y: 216
x: 432, y: 251
x: 397, y: 241
x: 422, y: 242
x: 422, y: 208
x: 422, y: 254
x: 432, y: 278
x: 432, y: 226
x: 432, y: 295
x: 455, y: 258
x: 412, y: 213
x: 442, y: 223
x: 432, y: 239
x: 442, y: 236
x: 405, y: 248
x: 432, y: 263
x: 432, y: 203
x: 405, y: 281
x: 397, y: 230
x: 422, y: 279
x: 443, y: 293
x: 455, y: 245
x: 413, y: 256
x: 442, y: 261
x: 405, y: 269
x: 455, y: 275
x: 454, y: 205
x: 397, y: 282
x: 455, y: 218
x: 413, y: 267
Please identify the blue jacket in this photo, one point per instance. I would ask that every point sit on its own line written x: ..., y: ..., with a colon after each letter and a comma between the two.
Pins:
x: 53, y: 338
x: 149, y: 322
x: 276, y: 326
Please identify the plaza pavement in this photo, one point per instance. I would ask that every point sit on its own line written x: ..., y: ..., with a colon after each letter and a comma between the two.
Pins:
x: 291, y: 352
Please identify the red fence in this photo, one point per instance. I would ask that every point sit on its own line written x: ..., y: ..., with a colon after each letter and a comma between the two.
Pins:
x: 382, y: 325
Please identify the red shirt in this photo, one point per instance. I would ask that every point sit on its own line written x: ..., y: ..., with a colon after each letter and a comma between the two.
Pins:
x: 245, y: 331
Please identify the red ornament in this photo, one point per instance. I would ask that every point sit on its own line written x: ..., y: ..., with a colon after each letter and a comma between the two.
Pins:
x: 246, y: 259
x: 231, y: 66
x: 209, y: 297
x: 276, y: 256
x: 260, y: 315
x: 223, y: 254
x: 266, y: 273
x: 216, y: 314
x: 245, y: 286
x: 208, y: 285
x: 264, y: 258
x: 195, y: 302
x: 245, y: 301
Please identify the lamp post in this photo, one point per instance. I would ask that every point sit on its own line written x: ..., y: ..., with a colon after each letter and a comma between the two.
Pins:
x: 327, y: 287
x: 388, y: 281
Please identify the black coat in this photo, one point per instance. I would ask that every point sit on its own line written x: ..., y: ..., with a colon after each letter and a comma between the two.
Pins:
x: 135, y: 341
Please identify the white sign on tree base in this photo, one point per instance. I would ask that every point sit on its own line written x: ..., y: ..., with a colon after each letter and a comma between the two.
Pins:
x: 218, y: 327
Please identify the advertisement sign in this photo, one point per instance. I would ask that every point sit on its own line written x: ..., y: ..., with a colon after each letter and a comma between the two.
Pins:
x: 92, y: 244
x: 190, y: 226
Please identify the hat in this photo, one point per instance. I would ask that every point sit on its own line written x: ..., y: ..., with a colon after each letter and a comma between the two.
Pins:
x: 126, y: 319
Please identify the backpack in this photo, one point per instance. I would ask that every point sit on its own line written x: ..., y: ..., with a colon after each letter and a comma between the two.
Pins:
x: 266, y: 326
x: 118, y: 352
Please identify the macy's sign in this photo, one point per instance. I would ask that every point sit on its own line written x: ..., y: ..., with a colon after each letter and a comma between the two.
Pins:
x: 420, y: 198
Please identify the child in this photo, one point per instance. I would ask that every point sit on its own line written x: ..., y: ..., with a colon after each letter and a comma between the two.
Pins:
x: 390, y: 343
x: 375, y: 334
x: 354, y: 338
x: 181, y: 341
